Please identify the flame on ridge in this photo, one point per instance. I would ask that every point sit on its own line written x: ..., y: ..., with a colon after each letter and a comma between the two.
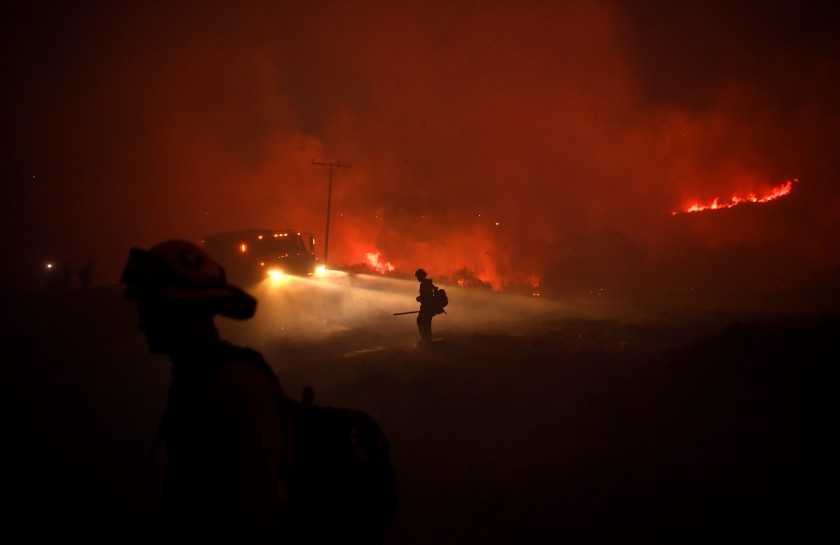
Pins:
x: 771, y: 195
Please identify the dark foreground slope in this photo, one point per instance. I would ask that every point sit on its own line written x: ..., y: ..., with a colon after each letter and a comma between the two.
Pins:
x: 683, y: 428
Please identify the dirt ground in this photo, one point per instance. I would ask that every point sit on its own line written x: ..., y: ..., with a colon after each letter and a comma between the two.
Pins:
x: 561, y: 423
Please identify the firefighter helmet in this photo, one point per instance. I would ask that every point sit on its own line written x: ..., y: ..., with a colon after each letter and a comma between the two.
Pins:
x: 177, y: 270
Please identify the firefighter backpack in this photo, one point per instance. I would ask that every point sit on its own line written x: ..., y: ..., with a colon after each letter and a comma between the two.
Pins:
x: 440, y: 299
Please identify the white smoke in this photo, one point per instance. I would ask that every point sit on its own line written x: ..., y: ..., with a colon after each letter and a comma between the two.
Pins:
x: 336, y: 304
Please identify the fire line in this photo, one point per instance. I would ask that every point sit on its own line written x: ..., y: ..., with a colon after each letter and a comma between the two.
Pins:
x: 773, y: 194
x: 375, y: 264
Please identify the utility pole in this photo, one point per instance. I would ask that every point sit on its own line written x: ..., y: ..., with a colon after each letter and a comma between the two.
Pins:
x: 329, y: 203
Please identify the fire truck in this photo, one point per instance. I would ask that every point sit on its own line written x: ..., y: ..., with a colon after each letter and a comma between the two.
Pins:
x: 252, y: 255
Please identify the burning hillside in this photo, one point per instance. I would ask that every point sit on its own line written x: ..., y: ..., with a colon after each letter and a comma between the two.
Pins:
x: 767, y: 196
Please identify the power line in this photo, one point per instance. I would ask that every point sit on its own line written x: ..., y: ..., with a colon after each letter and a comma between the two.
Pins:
x: 329, y: 202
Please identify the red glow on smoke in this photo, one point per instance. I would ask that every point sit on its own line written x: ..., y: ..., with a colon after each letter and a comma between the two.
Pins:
x: 771, y: 195
x: 376, y: 265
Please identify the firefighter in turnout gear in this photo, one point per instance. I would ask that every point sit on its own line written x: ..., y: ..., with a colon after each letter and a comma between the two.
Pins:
x: 427, y: 306
x: 228, y: 448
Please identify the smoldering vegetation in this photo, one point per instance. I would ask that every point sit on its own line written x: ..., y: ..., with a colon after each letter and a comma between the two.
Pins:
x: 530, y: 421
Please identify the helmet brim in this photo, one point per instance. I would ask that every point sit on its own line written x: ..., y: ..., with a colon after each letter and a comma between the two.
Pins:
x: 148, y: 278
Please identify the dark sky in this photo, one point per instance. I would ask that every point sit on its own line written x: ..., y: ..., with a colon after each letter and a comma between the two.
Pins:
x: 534, y: 141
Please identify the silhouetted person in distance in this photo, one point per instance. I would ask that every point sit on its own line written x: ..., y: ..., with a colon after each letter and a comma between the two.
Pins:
x: 228, y: 447
x: 86, y: 275
x: 427, y: 309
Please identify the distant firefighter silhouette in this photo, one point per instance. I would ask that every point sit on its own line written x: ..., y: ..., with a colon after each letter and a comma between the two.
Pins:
x: 244, y: 463
x: 228, y: 450
x: 428, y: 309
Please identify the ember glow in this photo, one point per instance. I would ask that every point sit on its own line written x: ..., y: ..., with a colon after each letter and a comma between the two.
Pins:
x: 376, y: 265
x: 773, y: 194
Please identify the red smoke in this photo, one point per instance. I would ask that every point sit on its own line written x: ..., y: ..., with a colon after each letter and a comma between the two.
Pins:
x: 500, y: 140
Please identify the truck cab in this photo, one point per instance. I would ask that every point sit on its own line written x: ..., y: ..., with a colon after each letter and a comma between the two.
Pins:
x: 252, y: 255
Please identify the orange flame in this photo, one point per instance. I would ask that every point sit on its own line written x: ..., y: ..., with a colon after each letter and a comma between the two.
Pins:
x: 376, y: 265
x: 773, y: 194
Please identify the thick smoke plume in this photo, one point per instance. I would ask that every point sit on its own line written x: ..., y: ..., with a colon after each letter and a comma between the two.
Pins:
x: 538, y: 144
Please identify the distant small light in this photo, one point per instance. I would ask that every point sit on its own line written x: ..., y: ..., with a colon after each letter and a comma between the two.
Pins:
x: 49, y: 265
x: 243, y: 248
x: 497, y: 224
x: 275, y: 274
